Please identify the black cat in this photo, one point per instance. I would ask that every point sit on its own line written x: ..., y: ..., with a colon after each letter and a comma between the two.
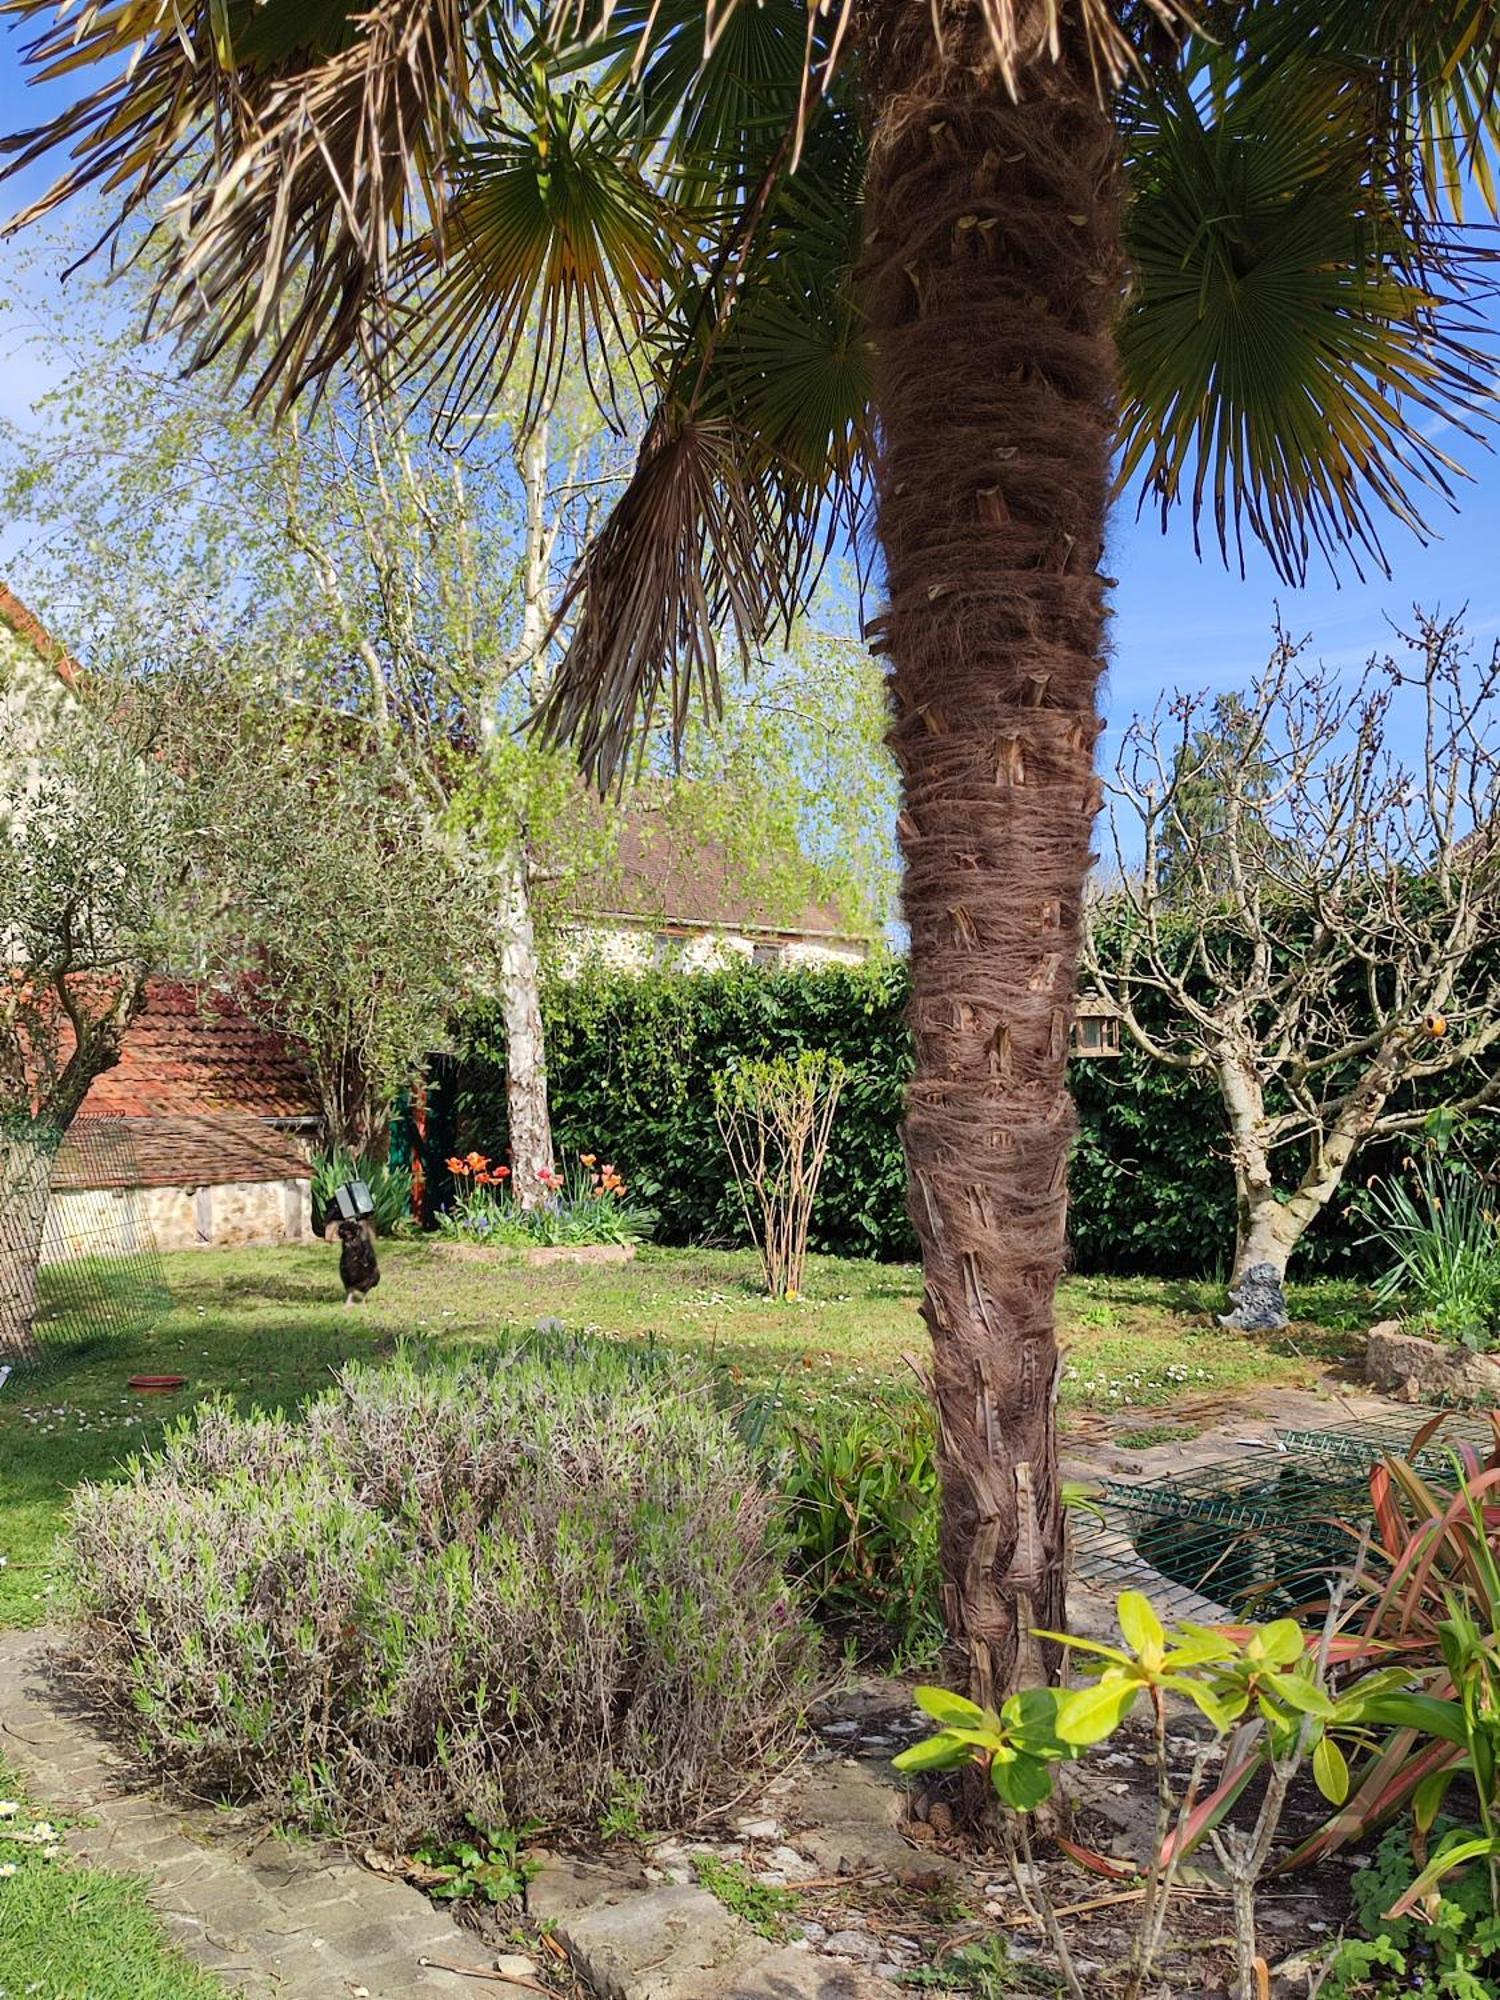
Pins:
x: 358, y: 1271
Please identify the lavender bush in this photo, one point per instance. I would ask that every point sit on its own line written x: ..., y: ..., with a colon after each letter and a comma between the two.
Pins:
x: 523, y: 1591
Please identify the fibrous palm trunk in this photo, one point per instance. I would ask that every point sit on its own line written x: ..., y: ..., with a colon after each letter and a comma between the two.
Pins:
x: 993, y: 276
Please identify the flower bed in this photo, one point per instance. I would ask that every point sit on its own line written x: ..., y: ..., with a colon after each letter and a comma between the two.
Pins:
x: 585, y: 1208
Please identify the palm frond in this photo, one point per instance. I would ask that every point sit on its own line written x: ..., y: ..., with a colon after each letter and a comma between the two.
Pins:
x: 303, y: 141
x: 1290, y: 353
x: 1022, y: 32
x: 753, y: 461
x: 693, y: 544
x: 1427, y: 73
x: 553, y: 236
x: 718, y: 112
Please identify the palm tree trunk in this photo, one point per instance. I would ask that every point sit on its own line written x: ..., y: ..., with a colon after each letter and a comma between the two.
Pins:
x: 994, y: 279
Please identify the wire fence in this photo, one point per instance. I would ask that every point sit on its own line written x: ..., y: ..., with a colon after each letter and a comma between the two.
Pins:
x: 79, y: 1266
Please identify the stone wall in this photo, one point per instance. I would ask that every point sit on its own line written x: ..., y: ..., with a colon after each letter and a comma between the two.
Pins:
x: 234, y: 1212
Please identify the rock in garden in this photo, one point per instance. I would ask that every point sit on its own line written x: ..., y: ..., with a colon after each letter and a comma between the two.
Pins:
x: 852, y: 1944
x: 1426, y: 1371
x: 1259, y: 1302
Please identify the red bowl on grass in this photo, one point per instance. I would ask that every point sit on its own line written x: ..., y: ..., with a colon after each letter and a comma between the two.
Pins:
x: 156, y: 1385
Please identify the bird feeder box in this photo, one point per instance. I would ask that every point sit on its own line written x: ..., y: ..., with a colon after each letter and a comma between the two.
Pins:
x: 352, y: 1202
x: 1096, y: 1028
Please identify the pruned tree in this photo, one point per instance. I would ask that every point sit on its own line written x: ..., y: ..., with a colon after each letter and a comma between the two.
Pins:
x: 1327, y: 937
x: 92, y: 835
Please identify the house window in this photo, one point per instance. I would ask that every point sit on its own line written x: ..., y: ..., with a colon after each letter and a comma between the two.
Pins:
x: 766, y: 957
x: 666, y: 950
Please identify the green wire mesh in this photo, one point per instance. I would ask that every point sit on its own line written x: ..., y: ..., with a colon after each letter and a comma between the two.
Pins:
x: 1393, y: 1437
x: 1255, y: 1538
x: 99, y: 1278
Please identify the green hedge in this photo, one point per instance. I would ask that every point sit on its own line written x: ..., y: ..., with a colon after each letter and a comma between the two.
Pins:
x: 632, y: 1059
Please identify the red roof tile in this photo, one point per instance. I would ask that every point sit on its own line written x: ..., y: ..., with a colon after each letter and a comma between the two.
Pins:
x: 26, y: 625
x: 192, y: 1051
x: 185, y: 1152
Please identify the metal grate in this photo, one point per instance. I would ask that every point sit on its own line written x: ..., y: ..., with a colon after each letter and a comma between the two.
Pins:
x: 1260, y: 1537
x: 1392, y: 1437
x: 98, y: 1276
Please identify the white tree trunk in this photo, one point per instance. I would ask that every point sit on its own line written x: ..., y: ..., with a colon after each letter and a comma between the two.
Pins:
x: 526, y: 1104
x: 25, y: 1187
x: 525, y: 1057
x: 1269, y: 1231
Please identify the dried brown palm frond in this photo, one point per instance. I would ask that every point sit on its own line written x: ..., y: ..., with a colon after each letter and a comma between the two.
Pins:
x: 302, y: 144
x: 707, y: 537
x: 1021, y: 32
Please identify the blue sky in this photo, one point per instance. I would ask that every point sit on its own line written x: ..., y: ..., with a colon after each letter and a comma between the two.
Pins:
x: 1180, y: 622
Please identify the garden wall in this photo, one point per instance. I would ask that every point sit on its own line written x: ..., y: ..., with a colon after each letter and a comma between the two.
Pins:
x: 632, y: 1059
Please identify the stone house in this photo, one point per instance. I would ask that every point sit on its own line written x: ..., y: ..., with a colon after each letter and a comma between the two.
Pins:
x: 200, y: 1136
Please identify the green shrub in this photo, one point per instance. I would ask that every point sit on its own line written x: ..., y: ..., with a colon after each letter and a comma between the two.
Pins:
x: 1443, y: 1250
x: 390, y: 1190
x: 859, y: 1493
x: 448, y: 1597
x: 631, y: 1060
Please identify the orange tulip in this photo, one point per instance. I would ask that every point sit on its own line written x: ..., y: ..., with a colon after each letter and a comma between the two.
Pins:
x: 502, y: 1173
x: 477, y: 1160
x: 458, y: 1166
x: 588, y: 1159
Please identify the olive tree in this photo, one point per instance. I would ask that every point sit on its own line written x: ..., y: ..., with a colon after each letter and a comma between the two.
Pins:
x: 93, y: 832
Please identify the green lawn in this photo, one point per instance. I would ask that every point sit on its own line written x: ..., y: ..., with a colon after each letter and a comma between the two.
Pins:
x: 269, y: 1326
x: 68, y: 1932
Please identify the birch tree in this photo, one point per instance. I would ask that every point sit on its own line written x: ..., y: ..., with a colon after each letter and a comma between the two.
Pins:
x: 1324, y: 942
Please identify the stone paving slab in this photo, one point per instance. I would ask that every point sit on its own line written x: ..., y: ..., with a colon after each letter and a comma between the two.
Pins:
x: 272, y: 1919
x: 674, y: 1943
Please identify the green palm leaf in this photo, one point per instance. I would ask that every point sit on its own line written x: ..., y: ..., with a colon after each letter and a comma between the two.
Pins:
x: 1428, y: 76
x: 754, y: 458
x: 1288, y: 347
x: 552, y: 234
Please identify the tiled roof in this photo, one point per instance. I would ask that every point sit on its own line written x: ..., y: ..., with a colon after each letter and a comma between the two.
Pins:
x: 26, y: 625
x: 665, y: 874
x: 192, y: 1051
x: 180, y: 1152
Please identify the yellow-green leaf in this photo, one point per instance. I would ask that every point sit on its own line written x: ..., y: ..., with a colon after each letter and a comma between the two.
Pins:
x: 1330, y: 1771
x: 1140, y: 1624
x: 1088, y: 1715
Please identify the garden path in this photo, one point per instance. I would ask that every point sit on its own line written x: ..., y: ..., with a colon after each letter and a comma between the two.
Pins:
x: 268, y: 1917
